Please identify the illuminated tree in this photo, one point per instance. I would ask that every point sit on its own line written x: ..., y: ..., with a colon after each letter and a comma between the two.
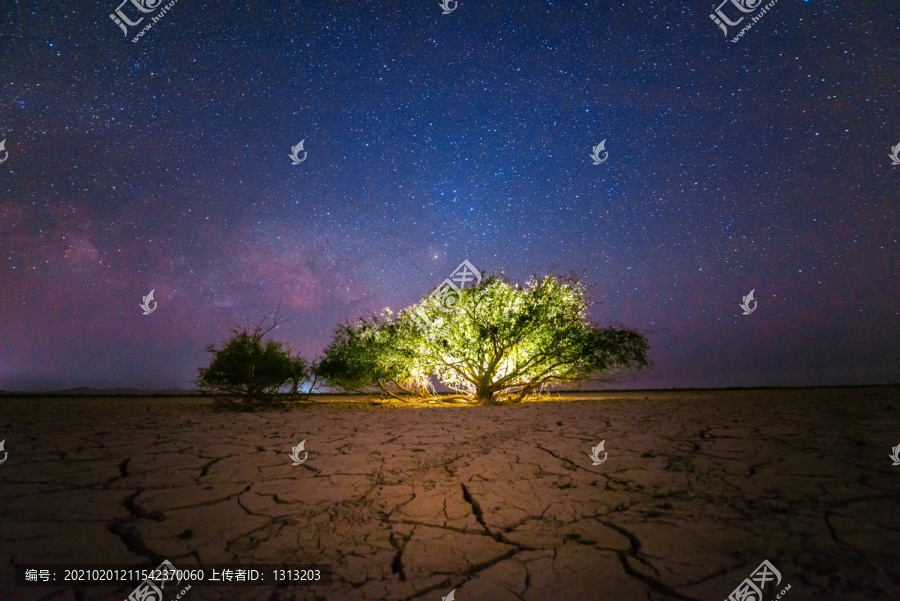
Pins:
x: 374, y: 355
x: 491, y: 342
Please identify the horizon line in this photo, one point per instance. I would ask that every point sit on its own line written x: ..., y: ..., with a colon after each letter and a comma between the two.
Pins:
x: 136, y: 392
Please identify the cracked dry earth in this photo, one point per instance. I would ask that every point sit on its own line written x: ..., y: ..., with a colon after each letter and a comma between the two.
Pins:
x: 498, y: 503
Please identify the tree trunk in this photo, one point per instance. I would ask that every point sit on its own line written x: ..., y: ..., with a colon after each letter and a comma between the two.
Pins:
x: 484, y: 396
x: 251, y: 384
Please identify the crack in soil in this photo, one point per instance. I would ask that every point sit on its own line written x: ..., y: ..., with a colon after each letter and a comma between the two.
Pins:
x: 397, y: 561
x: 131, y: 537
x: 205, y: 469
x: 476, y: 508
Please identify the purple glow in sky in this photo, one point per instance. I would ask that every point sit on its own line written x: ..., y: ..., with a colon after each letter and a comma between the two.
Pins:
x: 163, y: 164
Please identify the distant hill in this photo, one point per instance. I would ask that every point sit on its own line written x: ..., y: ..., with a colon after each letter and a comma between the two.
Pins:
x: 85, y: 391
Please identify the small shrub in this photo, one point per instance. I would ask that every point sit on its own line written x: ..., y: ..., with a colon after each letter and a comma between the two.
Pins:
x: 248, y: 372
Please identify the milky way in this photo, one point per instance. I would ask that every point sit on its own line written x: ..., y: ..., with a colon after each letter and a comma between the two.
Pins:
x: 163, y: 164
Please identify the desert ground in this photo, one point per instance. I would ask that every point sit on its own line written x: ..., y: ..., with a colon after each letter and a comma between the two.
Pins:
x: 495, y: 503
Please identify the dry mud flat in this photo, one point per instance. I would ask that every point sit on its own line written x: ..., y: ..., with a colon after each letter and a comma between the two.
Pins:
x: 498, y: 503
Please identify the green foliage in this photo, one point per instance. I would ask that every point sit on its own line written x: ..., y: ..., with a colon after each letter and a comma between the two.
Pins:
x: 498, y: 341
x: 370, y: 356
x: 248, y: 372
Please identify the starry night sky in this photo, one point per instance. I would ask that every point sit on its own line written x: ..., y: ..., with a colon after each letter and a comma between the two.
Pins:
x: 163, y: 164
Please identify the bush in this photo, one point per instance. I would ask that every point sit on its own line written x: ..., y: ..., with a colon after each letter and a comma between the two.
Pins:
x: 248, y: 372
